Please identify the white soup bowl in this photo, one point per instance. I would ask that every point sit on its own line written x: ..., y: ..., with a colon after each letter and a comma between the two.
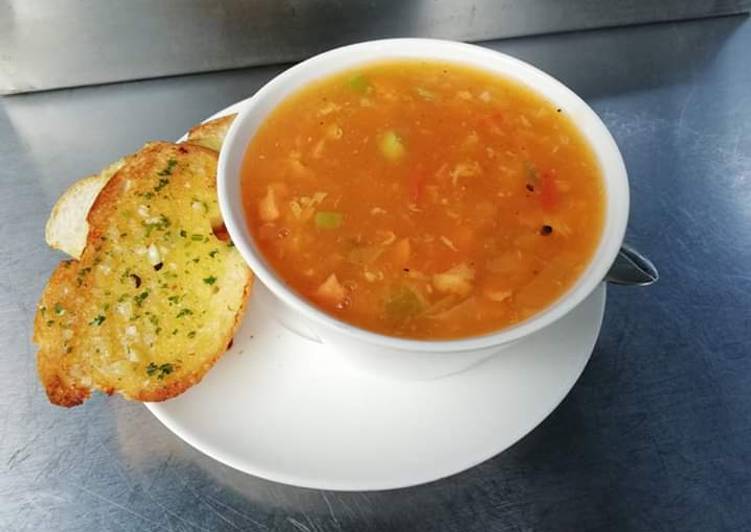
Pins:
x: 399, y: 357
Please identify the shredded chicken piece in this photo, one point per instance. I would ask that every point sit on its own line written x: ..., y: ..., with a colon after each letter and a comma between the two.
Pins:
x: 388, y: 237
x: 331, y: 290
x: 329, y: 108
x: 318, y: 149
x: 294, y: 206
x: 334, y: 132
x: 448, y: 243
x: 267, y: 208
x: 472, y: 138
x: 498, y: 296
x: 457, y: 280
x: 465, y: 169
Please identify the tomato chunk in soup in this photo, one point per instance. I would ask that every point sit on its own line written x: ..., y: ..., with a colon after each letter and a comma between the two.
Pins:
x: 423, y: 199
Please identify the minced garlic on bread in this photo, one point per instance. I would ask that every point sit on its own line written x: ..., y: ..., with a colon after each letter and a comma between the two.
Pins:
x: 156, y: 297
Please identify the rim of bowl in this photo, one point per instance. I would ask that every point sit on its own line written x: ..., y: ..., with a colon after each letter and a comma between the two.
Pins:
x: 588, y: 123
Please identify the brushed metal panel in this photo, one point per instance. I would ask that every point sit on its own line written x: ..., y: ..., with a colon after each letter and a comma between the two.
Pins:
x: 47, y: 44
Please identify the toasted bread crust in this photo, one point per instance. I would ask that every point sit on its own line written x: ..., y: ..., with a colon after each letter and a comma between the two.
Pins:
x: 116, y: 321
x: 67, y: 228
x: 52, y: 367
x: 211, y: 134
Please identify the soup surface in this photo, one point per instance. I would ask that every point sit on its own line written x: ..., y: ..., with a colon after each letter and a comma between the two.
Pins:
x: 423, y: 199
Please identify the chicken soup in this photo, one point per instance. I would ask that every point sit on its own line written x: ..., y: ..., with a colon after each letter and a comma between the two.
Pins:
x: 422, y: 199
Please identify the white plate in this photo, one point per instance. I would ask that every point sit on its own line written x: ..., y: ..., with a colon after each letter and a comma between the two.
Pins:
x: 281, y: 407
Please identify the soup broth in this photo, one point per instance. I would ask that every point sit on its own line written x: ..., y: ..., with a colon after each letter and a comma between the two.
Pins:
x: 423, y: 199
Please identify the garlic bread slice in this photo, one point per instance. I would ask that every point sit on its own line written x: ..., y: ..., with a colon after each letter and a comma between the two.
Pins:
x: 156, y: 296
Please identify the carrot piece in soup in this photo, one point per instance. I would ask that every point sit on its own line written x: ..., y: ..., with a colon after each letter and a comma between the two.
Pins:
x: 549, y: 191
x: 416, y: 186
x: 400, y: 252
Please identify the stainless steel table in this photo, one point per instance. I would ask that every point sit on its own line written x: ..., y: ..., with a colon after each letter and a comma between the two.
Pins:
x: 655, y: 436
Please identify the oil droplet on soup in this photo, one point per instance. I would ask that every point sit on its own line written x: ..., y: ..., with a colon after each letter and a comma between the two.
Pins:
x: 423, y: 199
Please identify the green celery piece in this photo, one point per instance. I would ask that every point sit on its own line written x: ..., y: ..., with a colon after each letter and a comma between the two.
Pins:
x: 392, y: 146
x: 328, y: 219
